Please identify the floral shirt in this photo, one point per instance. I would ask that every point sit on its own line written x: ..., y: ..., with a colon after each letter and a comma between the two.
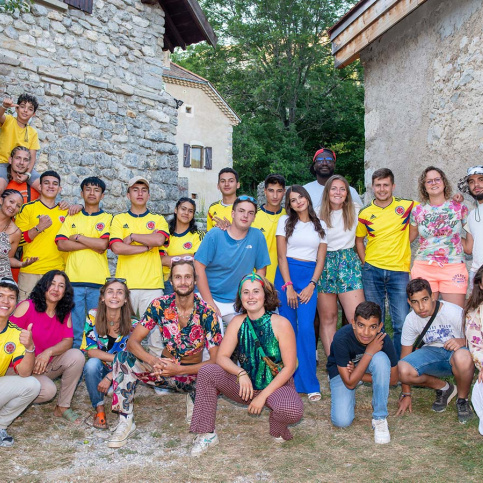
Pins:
x: 439, y: 230
x: 474, y: 336
x: 202, y: 329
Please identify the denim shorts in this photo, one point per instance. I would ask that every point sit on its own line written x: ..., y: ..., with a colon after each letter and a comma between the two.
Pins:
x: 433, y: 361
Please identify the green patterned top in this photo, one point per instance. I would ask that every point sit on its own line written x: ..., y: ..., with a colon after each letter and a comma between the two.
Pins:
x: 250, y: 359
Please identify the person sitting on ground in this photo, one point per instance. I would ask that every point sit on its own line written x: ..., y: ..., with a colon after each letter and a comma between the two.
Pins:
x: 265, y: 346
x: 17, y: 388
x: 16, y: 132
x: 362, y: 352
x: 107, y: 330
x: 443, y: 354
x: 48, y: 310
x: 187, y: 325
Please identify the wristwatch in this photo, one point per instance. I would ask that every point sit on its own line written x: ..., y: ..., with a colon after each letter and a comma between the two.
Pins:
x: 28, y: 174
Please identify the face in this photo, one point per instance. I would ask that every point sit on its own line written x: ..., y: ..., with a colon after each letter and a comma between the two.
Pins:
x: 383, y: 189
x: 20, y: 161
x: 475, y: 185
x: 92, y: 195
x: 337, y: 192
x: 138, y: 195
x: 274, y: 194
x: 422, y: 303
x: 8, y: 301
x: 11, y: 205
x: 183, y: 279
x: 244, y: 215
x: 56, y: 290
x: 115, y: 295
x: 252, y: 296
x: 298, y: 202
x: 434, y: 183
x: 25, y: 111
x: 50, y: 187
x: 228, y: 184
x: 324, y: 165
x: 366, y: 330
x: 185, y: 212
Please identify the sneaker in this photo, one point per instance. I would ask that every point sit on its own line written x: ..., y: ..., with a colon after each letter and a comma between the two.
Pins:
x: 5, y: 438
x: 381, y: 431
x: 161, y: 391
x: 124, y: 429
x: 443, y: 398
x: 278, y: 439
x: 202, y: 442
x: 464, y: 410
x: 189, y: 408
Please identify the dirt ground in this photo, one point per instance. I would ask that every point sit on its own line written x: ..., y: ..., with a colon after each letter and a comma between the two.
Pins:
x: 425, y: 446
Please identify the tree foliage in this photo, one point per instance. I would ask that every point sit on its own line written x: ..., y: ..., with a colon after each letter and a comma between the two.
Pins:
x: 274, y: 67
x: 9, y: 6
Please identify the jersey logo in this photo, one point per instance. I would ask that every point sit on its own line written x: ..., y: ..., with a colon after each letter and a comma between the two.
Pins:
x: 100, y: 226
x: 373, y: 217
x: 399, y: 210
x: 9, y: 347
x: 62, y: 219
x: 248, y: 247
x: 188, y: 245
x: 150, y: 225
x: 262, y: 230
x: 73, y: 225
x: 126, y: 225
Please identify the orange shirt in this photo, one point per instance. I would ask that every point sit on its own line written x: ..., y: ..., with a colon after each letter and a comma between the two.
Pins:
x: 28, y: 193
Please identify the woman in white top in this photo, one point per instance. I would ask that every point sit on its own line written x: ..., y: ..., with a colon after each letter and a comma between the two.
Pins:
x: 301, y: 247
x: 342, y: 274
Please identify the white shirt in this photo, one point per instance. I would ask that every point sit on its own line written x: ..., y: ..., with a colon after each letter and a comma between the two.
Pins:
x: 316, y: 190
x: 304, y: 242
x: 474, y: 226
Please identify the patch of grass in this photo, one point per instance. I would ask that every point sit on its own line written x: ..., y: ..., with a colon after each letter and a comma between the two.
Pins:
x: 172, y: 443
x: 124, y: 451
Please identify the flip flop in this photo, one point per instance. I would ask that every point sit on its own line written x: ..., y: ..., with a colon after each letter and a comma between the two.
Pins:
x: 100, y: 421
x: 314, y: 396
x: 71, y: 416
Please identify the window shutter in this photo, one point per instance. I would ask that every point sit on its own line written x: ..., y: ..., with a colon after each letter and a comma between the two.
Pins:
x: 186, y: 156
x: 84, y: 5
x: 208, y: 158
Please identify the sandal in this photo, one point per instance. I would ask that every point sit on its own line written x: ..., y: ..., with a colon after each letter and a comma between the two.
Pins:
x: 100, y: 421
x: 71, y: 416
x: 314, y: 396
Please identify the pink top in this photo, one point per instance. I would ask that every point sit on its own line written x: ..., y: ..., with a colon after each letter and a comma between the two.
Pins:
x: 46, y: 331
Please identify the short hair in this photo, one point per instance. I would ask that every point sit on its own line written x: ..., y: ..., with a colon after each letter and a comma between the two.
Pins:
x: 19, y: 148
x: 28, y: 98
x: 271, y: 301
x: 50, y: 172
x: 242, y: 199
x: 228, y: 170
x: 383, y: 173
x: 93, y: 181
x: 9, y: 192
x: 423, y: 194
x: 367, y: 309
x: 418, y: 285
x: 275, y: 179
x: 177, y: 263
x: 10, y: 283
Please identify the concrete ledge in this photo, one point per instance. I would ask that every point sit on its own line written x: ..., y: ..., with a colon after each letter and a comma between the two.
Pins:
x: 54, y: 4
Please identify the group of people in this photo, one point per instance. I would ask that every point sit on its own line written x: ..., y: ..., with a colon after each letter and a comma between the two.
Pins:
x: 234, y: 311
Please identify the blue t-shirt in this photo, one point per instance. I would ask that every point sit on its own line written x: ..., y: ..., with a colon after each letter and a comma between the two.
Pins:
x: 345, y: 348
x: 228, y: 260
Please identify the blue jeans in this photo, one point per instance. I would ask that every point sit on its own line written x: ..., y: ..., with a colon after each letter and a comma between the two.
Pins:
x: 343, y: 399
x: 85, y: 299
x: 379, y: 284
x: 94, y: 373
x: 168, y: 288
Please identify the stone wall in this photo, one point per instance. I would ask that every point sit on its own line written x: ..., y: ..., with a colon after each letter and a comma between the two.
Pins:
x: 103, y: 108
x: 424, y: 83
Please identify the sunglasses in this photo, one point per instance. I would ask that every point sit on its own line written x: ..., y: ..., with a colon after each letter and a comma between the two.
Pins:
x: 8, y: 281
x: 324, y: 160
x: 115, y: 279
x: 187, y: 258
x: 247, y: 198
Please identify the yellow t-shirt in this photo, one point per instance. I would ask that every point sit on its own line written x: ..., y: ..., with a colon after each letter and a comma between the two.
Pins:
x: 220, y: 210
x: 181, y: 244
x: 12, y: 135
x: 43, y: 245
x: 387, y: 232
x: 144, y: 270
x: 266, y: 222
x: 86, y: 267
x: 11, y: 350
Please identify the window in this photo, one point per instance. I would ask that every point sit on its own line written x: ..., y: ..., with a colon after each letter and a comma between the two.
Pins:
x: 84, y: 5
x: 197, y: 156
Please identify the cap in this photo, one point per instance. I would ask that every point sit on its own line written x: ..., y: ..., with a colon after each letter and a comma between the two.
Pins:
x: 138, y: 179
x: 463, y: 182
x: 320, y: 151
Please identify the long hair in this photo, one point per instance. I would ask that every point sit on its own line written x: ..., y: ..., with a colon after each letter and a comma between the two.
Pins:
x: 172, y: 222
x: 127, y: 311
x: 64, y: 305
x: 271, y: 301
x: 293, y: 217
x: 476, y: 297
x: 423, y: 194
x: 348, y: 208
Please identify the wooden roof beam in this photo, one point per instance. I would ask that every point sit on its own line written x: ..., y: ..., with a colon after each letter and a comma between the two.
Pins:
x: 170, y: 29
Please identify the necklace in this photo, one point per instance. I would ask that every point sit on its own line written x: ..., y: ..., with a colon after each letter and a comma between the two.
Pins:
x: 185, y: 316
x: 7, y: 225
x: 112, y: 322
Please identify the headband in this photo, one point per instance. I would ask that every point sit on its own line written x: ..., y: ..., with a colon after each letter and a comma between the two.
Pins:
x: 320, y: 151
x: 253, y: 277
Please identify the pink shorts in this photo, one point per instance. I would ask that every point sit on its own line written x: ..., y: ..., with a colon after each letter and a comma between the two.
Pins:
x: 450, y: 278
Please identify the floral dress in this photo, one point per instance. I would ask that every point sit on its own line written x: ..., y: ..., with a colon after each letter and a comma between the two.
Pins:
x: 474, y: 336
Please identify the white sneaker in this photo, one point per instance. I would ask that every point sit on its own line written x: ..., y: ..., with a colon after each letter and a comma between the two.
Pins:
x: 381, y: 431
x: 189, y: 408
x: 124, y: 429
x: 202, y: 442
x: 278, y: 439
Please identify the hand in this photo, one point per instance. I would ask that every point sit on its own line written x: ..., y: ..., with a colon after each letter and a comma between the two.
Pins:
x: 74, y: 209
x: 167, y: 368
x: 458, y: 198
x: 25, y: 338
x: 404, y: 403
x: 350, y: 367
x: 29, y: 261
x: 41, y: 362
x: 480, y: 377
x: 223, y: 224
x: 257, y: 404
x: 377, y: 344
x: 306, y: 294
x: 454, y: 344
x: 19, y: 177
x: 44, y: 222
x: 292, y: 297
x: 8, y: 103
x: 104, y: 385
x: 216, y: 309
x: 246, y: 387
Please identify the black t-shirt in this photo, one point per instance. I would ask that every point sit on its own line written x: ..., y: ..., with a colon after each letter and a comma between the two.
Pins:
x: 345, y: 348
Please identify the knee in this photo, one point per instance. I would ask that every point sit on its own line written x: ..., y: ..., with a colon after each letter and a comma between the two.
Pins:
x: 380, y: 363
x: 209, y: 372
x: 341, y: 420
x: 32, y: 386
x: 462, y: 360
x: 406, y: 372
x: 92, y: 367
x: 76, y: 359
x: 48, y: 390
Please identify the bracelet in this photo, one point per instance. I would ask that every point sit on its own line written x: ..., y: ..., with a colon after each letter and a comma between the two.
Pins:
x: 130, y: 236
x: 315, y: 283
x: 368, y: 354
x: 77, y: 237
x: 240, y: 374
x: 30, y: 352
x: 286, y: 285
x: 29, y: 175
x: 5, y: 107
x: 405, y: 394
x: 38, y: 231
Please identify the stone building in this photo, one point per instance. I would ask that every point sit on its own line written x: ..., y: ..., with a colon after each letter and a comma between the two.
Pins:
x: 96, y: 68
x: 423, y: 74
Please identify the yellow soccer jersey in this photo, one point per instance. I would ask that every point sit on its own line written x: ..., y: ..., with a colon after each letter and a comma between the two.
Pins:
x: 181, y: 244
x: 387, y: 232
x: 12, y: 135
x: 220, y: 210
x: 142, y: 271
x: 43, y: 245
x: 266, y: 222
x: 11, y: 350
x: 86, y: 267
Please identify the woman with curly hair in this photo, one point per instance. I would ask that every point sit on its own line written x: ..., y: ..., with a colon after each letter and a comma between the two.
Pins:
x: 438, y: 223
x: 301, y: 248
x: 264, y: 344
x: 47, y: 311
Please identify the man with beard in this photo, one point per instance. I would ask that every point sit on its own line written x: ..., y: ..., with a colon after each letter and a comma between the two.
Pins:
x: 187, y: 325
x: 323, y: 167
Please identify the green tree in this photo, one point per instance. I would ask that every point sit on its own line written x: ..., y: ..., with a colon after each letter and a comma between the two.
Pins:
x: 10, y: 6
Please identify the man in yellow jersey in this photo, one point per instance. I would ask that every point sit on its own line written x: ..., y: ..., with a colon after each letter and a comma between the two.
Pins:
x: 136, y: 236
x: 387, y: 256
x: 219, y: 212
x: 268, y: 215
x: 85, y: 237
x: 39, y: 221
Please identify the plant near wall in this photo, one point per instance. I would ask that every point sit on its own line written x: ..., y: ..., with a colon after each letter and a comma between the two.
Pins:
x: 9, y: 6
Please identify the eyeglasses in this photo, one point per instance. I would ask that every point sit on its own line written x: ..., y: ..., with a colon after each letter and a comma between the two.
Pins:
x: 187, y: 258
x: 433, y: 181
x: 247, y: 198
x: 115, y: 279
x: 8, y: 281
x: 324, y: 160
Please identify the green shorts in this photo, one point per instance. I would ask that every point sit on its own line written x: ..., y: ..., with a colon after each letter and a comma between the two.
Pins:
x: 342, y: 272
